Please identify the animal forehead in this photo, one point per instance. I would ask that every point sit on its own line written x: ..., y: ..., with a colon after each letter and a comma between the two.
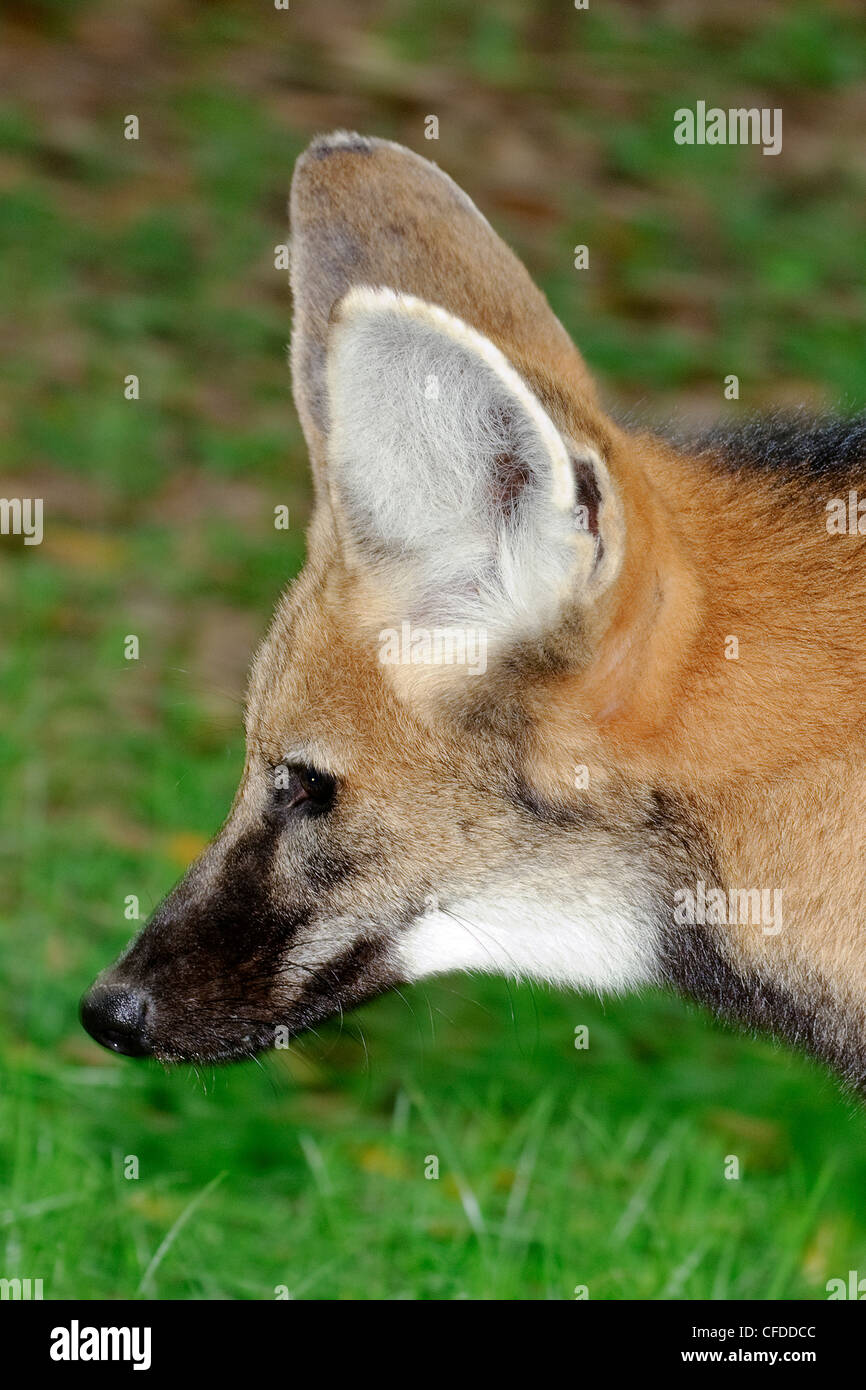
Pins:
x: 317, y: 684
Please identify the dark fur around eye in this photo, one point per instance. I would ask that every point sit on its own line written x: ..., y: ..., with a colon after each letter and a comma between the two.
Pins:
x: 297, y: 788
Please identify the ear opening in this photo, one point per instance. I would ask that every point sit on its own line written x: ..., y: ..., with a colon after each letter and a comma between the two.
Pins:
x: 446, y: 469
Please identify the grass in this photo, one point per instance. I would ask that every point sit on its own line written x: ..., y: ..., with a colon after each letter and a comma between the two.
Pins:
x: 559, y: 1168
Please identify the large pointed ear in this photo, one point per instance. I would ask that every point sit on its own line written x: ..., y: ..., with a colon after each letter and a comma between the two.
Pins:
x: 368, y: 212
x: 450, y: 481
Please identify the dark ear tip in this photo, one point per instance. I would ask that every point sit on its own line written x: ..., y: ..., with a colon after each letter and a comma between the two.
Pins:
x: 339, y: 142
x: 310, y: 177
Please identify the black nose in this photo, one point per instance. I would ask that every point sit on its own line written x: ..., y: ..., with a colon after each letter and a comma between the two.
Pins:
x: 115, y: 1016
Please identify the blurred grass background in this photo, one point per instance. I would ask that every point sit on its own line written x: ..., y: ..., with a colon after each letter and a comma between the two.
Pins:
x: 558, y: 1167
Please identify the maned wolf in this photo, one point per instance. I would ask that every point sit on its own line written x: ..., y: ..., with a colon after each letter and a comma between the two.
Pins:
x: 549, y: 698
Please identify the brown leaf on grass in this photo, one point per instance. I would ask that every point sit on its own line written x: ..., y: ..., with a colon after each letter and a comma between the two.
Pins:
x: 184, y: 846
x: 376, y: 1159
x: 83, y: 550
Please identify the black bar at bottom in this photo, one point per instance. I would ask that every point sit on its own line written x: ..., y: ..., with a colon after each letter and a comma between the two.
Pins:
x: 142, y: 1338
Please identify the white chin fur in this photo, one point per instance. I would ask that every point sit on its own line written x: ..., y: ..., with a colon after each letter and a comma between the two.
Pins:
x: 599, y: 946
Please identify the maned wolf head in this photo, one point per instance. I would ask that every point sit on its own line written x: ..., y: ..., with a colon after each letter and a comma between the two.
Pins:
x: 548, y: 699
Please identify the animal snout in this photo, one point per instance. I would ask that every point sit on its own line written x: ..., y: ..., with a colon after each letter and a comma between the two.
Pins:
x: 116, y: 1016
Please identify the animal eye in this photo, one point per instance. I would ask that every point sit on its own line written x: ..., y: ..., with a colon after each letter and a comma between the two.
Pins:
x: 297, y: 785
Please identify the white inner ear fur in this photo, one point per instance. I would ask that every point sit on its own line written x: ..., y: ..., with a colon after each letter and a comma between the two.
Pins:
x: 445, y: 464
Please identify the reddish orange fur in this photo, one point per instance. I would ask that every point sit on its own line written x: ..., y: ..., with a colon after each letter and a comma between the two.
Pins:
x: 760, y: 741
x: 746, y: 771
